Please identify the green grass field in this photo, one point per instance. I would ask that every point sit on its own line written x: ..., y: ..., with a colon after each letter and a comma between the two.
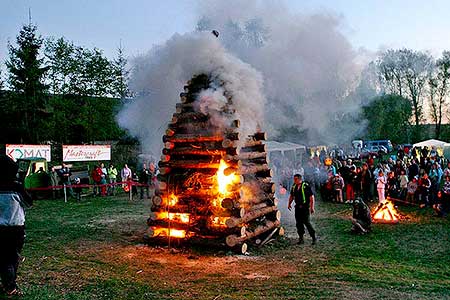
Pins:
x: 94, y: 250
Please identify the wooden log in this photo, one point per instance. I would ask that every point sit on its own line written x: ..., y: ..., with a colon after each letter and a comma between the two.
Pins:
x: 240, y: 249
x: 252, y: 169
x: 180, y: 208
x: 184, y: 107
x: 195, y: 126
x: 228, y: 203
x: 188, y: 117
x: 167, y: 167
x: 207, y: 194
x: 257, y: 161
x: 157, y: 200
x: 257, y: 207
x: 248, y: 204
x: 227, y: 143
x: 244, y: 202
x: 252, y: 143
x: 260, y: 136
x: 251, y: 215
x: 233, y: 136
x: 194, y: 151
x: 267, y: 239
x: 188, y: 165
x: 169, y: 145
x: 263, y: 174
x: 233, y: 240
x: 247, y: 156
x: 256, y: 148
x: 165, y: 223
x: 235, y: 212
x: 191, y: 138
x: 170, y: 132
x: 248, y: 146
x: 268, y: 188
x: 165, y: 158
x: 159, y: 239
x: 165, y: 170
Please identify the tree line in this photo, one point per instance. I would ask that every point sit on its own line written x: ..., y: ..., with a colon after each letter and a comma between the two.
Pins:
x: 60, y: 92
x: 415, y: 91
x: 57, y: 91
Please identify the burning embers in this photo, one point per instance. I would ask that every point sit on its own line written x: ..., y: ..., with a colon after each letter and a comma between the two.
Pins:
x: 215, y: 183
x: 386, y: 213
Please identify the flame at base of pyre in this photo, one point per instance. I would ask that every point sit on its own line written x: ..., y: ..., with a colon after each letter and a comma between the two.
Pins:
x: 386, y: 213
x: 213, y: 181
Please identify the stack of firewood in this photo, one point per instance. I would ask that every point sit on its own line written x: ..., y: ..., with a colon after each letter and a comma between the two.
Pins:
x: 198, y: 153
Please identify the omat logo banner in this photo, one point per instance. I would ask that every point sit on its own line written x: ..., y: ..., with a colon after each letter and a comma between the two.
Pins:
x: 17, y: 151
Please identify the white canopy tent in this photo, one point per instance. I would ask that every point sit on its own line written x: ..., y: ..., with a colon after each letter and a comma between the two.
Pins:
x: 273, y: 146
x: 432, y: 143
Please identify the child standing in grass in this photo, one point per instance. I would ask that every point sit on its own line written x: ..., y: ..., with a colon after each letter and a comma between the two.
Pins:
x: 381, y: 186
x: 411, y: 190
x: 403, y: 184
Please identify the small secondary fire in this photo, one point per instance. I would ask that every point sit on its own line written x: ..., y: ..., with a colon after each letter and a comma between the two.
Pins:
x: 214, y: 183
x: 386, y: 213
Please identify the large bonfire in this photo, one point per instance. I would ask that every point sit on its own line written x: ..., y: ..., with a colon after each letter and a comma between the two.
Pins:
x: 215, y: 182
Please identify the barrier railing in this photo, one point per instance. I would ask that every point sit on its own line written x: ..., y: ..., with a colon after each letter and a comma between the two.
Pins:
x: 127, y: 187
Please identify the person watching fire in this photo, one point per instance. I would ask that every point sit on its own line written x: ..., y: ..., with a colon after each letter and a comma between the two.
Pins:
x: 303, y: 196
x: 13, y: 201
x: 361, y: 218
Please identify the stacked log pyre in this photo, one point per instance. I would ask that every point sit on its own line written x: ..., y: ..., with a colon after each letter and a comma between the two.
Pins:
x: 214, y: 182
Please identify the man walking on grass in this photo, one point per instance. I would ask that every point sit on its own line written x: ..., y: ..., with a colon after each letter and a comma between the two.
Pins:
x: 13, y: 200
x: 303, y: 196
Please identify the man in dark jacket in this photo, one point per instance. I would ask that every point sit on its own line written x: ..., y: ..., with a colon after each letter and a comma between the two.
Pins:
x: 303, y: 196
x: 13, y: 200
x: 413, y: 170
x: 144, y: 179
x: 366, y: 182
x: 361, y: 218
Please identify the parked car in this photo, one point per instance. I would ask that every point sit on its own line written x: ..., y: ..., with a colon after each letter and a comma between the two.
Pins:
x: 385, y: 143
x: 373, y: 151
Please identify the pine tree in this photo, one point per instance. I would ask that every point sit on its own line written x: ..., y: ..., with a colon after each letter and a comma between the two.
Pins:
x: 26, y: 79
x: 1, y: 80
x: 121, y: 75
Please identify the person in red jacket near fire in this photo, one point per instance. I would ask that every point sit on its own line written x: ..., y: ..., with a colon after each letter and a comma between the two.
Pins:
x: 97, y: 176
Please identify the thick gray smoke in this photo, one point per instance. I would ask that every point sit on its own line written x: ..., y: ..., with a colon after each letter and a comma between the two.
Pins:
x: 309, y: 68
x: 160, y: 76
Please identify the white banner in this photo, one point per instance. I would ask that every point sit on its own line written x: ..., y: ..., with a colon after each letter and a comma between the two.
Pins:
x: 27, y: 151
x: 86, y: 152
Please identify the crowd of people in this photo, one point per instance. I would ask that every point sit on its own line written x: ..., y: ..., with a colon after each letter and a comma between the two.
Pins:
x: 412, y: 176
x: 105, y: 180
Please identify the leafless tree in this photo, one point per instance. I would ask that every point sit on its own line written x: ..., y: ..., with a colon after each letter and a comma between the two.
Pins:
x: 438, y: 89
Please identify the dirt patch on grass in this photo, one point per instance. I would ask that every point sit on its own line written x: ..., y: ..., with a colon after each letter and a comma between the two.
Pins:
x: 174, y: 266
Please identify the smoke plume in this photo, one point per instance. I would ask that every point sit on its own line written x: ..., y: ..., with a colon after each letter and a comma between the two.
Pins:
x: 309, y: 68
x: 160, y: 75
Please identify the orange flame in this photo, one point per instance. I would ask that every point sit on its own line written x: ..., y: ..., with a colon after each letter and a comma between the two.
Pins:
x: 218, y: 221
x: 386, y: 213
x: 179, y: 217
x: 224, y: 182
x: 176, y: 233
x: 172, y: 200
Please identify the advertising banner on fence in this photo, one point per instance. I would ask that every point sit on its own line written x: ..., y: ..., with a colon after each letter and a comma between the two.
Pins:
x: 86, y: 152
x: 26, y: 151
